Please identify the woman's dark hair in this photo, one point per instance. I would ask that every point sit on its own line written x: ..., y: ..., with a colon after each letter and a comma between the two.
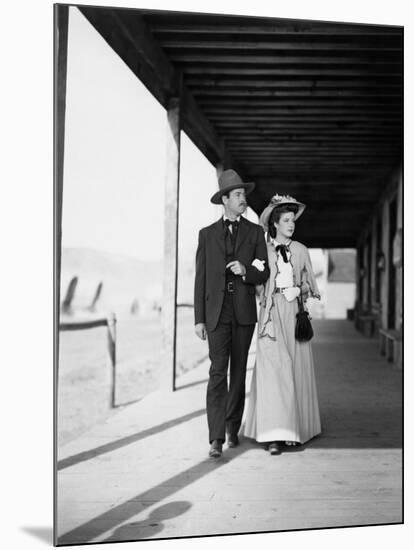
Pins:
x: 275, y: 216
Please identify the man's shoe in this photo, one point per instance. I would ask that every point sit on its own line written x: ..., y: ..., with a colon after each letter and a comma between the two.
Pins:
x: 216, y: 448
x: 233, y: 440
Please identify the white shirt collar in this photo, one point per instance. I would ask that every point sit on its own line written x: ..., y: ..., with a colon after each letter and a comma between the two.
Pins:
x: 226, y: 218
x: 277, y: 243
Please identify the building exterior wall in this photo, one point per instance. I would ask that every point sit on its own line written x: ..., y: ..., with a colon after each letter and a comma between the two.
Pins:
x: 368, y: 308
x: 399, y: 274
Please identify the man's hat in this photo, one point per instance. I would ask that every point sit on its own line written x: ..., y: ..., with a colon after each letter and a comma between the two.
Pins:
x: 279, y: 200
x: 228, y: 180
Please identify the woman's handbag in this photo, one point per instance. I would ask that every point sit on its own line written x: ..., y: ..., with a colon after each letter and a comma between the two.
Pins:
x: 303, y: 329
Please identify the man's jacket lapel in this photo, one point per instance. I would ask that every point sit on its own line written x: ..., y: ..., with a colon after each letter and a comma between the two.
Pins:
x: 218, y: 232
x: 242, y: 233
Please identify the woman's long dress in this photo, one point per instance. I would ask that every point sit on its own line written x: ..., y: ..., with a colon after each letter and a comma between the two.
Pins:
x: 283, y: 404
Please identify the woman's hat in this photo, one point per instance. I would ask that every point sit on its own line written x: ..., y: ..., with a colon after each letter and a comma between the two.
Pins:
x: 228, y: 180
x: 279, y: 200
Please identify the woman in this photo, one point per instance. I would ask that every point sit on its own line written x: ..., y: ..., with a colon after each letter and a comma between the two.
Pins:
x: 283, y: 404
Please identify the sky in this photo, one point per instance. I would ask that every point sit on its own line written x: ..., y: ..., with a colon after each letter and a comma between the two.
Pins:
x: 114, y: 167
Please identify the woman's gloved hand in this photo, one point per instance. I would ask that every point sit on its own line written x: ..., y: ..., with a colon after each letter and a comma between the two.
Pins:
x: 291, y: 293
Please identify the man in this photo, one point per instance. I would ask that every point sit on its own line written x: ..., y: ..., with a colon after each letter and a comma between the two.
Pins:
x: 231, y: 259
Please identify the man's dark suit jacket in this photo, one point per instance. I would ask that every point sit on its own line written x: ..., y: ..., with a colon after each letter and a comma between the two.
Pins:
x: 210, y: 275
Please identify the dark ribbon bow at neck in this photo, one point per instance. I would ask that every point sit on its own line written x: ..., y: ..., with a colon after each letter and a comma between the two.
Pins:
x: 283, y: 249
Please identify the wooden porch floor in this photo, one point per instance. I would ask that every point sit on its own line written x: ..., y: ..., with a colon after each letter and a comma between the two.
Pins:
x: 145, y: 474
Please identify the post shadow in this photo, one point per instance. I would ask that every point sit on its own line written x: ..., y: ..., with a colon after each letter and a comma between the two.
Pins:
x: 114, y: 445
x: 122, y: 512
x: 152, y: 525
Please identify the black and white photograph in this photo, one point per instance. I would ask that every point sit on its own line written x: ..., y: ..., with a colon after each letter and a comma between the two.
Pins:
x: 228, y: 271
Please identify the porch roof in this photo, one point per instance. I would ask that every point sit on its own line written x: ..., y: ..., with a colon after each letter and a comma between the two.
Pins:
x: 309, y: 108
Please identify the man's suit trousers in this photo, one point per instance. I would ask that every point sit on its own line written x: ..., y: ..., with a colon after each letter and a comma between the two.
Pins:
x: 225, y: 404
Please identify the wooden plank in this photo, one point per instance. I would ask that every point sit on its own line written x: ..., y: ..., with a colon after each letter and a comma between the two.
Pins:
x: 292, y: 117
x: 383, y: 61
x: 315, y: 133
x: 277, y: 43
x: 221, y: 24
x: 380, y: 59
x: 300, y: 108
x: 83, y: 325
x: 271, y: 172
x: 321, y: 152
x: 316, y: 181
x: 280, y: 163
x: 307, y: 140
x: 307, y: 99
x: 292, y: 82
x: 363, y: 71
x: 235, y: 105
x: 326, y: 145
x: 287, y: 93
x: 391, y: 125
x: 300, y: 157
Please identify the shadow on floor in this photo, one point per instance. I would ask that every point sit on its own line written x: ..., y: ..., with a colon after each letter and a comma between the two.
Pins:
x: 117, y: 444
x: 92, y: 529
x: 152, y: 525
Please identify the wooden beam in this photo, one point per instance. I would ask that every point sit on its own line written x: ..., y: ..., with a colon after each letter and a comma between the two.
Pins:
x: 375, y: 71
x: 287, y: 93
x: 296, y: 110
x: 301, y: 156
x: 383, y: 62
x: 309, y: 99
x: 291, y: 82
x: 305, y: 117
x: 316, y: 181
x: 259, y: 171
x: 317, y: 125
x: 309, y: 164
x: 248, y: 25
x: 227, y: 105
x: 315, y: 132
x: 367, y: 44
x: 322, y: 151
x: 306, y: 139
x: 130, y: 38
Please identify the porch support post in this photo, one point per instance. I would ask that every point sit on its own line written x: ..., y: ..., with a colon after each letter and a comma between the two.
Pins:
x: 169, y: 305
x: 61, y: 17
x: 365, y: 280
x: 60, y: 43
x: 219, y: 169
x: 385, y: 276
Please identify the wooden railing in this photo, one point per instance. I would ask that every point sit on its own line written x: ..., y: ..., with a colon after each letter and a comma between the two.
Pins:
x: 110, y: 323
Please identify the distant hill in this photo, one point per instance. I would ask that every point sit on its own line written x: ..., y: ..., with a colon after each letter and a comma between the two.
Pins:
x: 124, y: 279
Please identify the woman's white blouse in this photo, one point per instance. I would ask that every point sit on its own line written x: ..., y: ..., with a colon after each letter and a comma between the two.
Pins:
x: 285, y: 276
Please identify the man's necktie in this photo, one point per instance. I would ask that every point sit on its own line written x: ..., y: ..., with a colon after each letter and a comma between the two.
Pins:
x: 233, y: 225
x: 232, y: 229
x: 282, y: 248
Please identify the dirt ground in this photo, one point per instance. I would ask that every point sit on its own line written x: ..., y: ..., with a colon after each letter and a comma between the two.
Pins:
x: 84, y: 371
